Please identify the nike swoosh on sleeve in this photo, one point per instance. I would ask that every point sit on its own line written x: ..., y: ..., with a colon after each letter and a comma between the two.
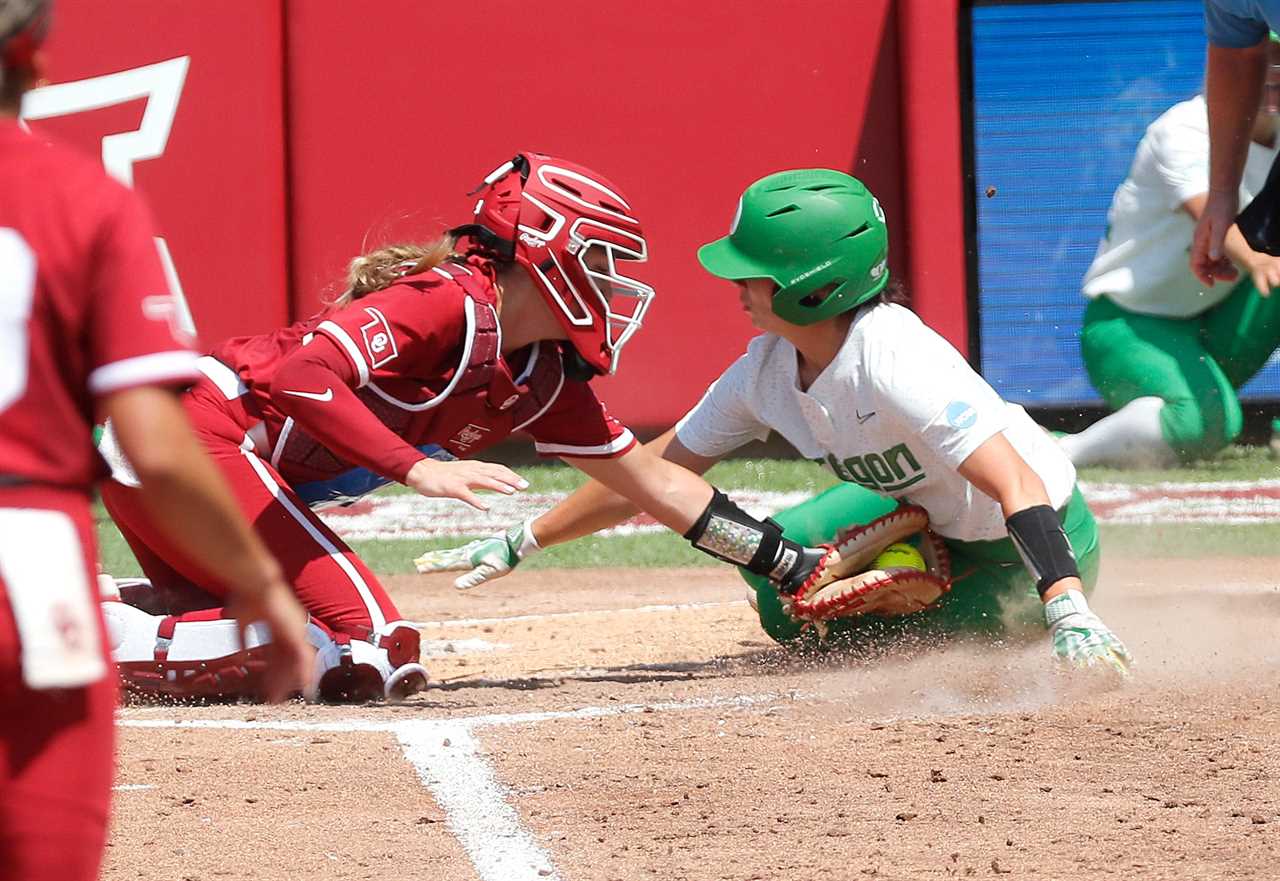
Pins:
x: 322, y: 397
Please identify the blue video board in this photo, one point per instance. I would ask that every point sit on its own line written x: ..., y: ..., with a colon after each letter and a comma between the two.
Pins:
x: 1062, y: 94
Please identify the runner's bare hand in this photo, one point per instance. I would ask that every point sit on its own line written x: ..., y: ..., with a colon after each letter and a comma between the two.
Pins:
x: 1265, y: 271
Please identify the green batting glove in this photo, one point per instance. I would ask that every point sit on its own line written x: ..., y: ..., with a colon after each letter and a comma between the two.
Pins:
x: 485, y: 558
x: 1079, y: 636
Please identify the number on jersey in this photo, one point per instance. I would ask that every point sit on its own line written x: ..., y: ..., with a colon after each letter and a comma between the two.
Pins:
x: 17, y: 290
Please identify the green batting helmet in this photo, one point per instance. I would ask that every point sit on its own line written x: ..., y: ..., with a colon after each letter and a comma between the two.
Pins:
x: 806, y: 230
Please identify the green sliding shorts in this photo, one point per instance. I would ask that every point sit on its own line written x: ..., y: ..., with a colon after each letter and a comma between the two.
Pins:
x: 1195, y: 364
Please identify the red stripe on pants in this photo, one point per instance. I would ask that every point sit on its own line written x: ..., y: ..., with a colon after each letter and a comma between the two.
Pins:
x: 334, y: 585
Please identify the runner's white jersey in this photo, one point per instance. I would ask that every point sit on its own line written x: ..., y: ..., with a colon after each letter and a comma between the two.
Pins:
x: 1142, y: 262
x: 897, y: 412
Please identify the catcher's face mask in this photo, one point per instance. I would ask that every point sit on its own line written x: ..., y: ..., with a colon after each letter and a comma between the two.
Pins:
x: 579, y: 239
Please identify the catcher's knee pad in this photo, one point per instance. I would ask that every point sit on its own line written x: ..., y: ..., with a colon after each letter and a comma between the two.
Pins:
x: 383, y: 667
x: 164, y: 656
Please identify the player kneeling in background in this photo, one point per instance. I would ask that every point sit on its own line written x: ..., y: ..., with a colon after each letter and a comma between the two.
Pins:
x: 83, y: 319
x: 1165, y: 350
x: 854, y: 380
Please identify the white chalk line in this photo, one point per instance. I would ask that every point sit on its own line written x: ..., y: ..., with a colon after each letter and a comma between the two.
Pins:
x: 443, y: 648
x: 486, y: 720
x: 451, y: 763
x: 580, y: 613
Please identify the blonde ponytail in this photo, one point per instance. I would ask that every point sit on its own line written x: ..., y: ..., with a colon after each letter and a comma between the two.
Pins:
x: 381, y: 267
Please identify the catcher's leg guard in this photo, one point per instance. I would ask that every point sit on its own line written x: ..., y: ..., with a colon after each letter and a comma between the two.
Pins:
x: 383, y: 667
x: 163, y: 655
x: 184, y: 658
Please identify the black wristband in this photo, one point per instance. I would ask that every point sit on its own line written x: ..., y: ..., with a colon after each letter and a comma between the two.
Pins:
x: 1041, y: 542
x: 806, y: 560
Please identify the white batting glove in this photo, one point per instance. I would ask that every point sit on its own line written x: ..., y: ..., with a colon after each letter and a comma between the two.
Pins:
x: 485, y: 558
x: 1079, y: 636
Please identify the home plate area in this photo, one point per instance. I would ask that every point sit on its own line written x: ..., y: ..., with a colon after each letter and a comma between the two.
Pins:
x: 630, y: 724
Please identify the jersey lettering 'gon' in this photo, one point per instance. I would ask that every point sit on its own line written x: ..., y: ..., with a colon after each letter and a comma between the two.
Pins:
x: 891, y: 471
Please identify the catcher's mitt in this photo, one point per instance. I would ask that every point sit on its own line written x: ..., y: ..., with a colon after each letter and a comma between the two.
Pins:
x: 843, y: 585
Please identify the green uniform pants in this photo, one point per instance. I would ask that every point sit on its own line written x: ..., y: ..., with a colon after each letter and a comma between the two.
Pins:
x: 992, y: 594
x: 1194, y: 364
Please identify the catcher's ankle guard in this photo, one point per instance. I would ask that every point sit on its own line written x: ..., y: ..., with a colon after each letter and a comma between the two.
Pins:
x: 1041, y: 542
x: 729, y: 533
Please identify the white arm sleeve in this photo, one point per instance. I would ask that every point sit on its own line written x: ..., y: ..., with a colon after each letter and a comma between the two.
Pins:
x: 933, y: 392
x: 723, y: 420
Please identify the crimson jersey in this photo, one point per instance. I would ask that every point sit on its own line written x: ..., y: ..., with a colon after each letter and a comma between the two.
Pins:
x: 84, y: 308
x: 422, y: 358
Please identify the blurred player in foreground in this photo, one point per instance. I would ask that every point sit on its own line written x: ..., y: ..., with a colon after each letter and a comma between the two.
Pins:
x: 495, y: 328
x: 84, y: 319
x: 1164, y: 350
x: 854, y: 380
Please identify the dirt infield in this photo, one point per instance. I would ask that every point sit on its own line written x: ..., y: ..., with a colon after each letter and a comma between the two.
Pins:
x: 630, y: 725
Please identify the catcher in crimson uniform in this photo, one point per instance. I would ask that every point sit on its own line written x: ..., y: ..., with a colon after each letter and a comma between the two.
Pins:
x: 495, y: 328
x: 84, y: 329
x: 855, y: 381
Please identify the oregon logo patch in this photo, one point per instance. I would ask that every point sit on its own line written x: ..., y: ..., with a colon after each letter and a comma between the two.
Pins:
x: 379, y: 343
x: 891, y: 471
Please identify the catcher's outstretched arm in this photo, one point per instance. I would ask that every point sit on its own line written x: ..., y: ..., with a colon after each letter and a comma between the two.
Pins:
x: 594, y: 506
x: 664, y: 479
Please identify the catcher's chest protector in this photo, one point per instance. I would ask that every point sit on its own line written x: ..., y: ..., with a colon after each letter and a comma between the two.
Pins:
x: 473, y: 407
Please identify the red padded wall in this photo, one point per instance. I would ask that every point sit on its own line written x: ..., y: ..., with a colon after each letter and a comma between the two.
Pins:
x: 218, y: 187
x: 934, y: 166
x: 393, y: 110
x: 395, y: 114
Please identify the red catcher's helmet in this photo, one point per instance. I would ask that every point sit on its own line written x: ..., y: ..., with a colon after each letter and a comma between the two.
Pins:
x: 23, y: 26
x: 570, y: 228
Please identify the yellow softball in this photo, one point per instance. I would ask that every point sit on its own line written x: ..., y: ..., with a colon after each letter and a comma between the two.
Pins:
x: 899, y: 556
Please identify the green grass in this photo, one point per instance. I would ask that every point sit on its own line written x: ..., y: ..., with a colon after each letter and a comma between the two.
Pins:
x: 660, y: 549
x: 776, y: 475
x: 1191, y: 540
x: 1180, y: 541
x: 1233, y: 463
x: 783, y: 475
